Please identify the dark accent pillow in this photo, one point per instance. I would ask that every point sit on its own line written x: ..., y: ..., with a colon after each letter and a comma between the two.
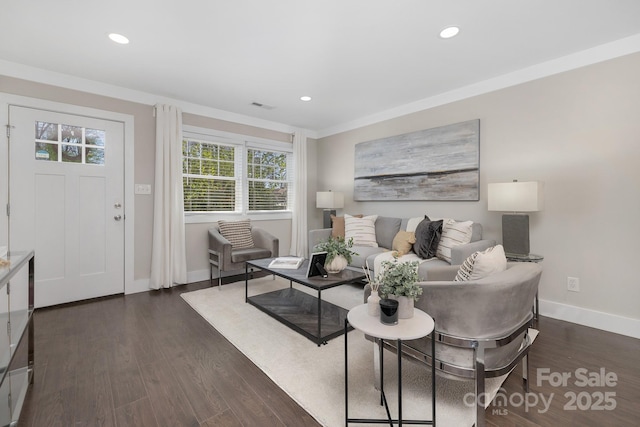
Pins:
x: 427, y: 238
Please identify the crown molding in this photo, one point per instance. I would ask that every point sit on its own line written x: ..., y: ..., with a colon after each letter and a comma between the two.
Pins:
x: 576, y: 60
x: 38, y: 75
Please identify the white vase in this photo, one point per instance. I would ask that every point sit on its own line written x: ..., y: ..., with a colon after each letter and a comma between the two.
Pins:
x: 373, y: 303
x: 405, y: 306
x: 337, y: 264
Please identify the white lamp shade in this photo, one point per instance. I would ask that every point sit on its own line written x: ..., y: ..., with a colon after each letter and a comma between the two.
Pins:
x: 329, y: 200
x: 515, y: 196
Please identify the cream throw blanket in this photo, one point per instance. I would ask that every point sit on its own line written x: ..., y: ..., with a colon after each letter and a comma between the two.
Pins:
x: 388, y: 256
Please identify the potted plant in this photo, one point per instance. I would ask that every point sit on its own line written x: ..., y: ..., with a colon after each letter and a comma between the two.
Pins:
x: 398, y: 280
x: 339, y: 253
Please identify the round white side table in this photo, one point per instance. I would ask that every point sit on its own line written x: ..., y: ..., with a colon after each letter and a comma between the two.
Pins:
x: 419, y: 326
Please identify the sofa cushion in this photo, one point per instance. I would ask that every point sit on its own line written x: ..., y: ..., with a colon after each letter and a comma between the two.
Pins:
x: 238, y: 233
x: 427, y: 238
x: 365, y: 254
x: 386, y: 230
x: 337, y: 225
x: 361, y: 230
x: 403, y: 242
x: 453, y: 234
x: 482, y: 264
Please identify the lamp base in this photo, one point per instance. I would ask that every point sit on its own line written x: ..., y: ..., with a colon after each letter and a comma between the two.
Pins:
x: 515, y: 234
x: 326, y: 219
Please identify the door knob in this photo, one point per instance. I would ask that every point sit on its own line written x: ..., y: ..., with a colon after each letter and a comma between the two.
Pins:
x: 117, y: 217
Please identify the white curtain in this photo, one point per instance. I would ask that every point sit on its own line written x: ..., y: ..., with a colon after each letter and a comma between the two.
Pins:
x: 168, y: 253
x: 299, y: 221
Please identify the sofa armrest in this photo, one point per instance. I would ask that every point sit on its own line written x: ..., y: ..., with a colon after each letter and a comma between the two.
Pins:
x: 265, y: 240
x: 461, y: 252
x: 443, y: 273
x: 317, y: 236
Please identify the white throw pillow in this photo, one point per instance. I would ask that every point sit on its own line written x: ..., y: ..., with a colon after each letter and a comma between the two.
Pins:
x: 482, y: 264
x: 453, y: 234
x: 362, y: 230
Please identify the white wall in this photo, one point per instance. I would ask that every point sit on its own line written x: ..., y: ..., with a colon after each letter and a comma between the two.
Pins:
x: 579, y: 132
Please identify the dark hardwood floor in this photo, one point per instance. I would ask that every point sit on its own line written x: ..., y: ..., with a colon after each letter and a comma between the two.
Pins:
x: 149, y: 360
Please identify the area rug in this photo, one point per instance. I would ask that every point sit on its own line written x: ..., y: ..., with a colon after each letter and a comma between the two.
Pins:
x: 314, y: 376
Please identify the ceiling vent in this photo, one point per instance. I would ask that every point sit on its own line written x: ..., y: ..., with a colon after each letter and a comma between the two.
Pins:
x: 265, y: 106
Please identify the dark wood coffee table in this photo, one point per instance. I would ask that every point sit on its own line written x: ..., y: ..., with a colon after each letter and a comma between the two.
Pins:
x: 306, y: 314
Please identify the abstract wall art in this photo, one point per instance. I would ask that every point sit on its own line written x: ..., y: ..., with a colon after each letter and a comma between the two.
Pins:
x: 441, y: 163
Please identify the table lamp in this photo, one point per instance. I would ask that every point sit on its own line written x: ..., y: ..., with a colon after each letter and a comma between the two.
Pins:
x: 517, y: 198
x: 329, y: 201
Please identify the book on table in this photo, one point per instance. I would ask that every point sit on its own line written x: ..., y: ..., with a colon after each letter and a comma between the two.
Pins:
x: 289, y: 262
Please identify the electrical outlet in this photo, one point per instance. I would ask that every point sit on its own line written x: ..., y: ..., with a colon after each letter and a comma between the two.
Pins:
x: 573, y: 284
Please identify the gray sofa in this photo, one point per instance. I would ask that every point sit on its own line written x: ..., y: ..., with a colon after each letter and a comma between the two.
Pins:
x: 386, y: 230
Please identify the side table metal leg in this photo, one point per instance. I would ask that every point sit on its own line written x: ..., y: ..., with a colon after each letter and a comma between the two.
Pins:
x: 399, y: 351
x: 346, y: 377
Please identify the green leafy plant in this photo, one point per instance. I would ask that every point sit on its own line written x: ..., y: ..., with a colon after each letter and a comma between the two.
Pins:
x: 400, y: 279
x: 335, y: 246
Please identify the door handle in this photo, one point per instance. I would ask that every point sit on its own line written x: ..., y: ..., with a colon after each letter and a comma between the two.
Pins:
x: 117, y: 217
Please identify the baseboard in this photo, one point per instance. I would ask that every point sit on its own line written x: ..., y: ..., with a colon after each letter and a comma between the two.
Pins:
x: 142, y: 285
x: 594, y: 319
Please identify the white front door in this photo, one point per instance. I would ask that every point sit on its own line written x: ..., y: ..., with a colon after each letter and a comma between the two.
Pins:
x: 67, y: 202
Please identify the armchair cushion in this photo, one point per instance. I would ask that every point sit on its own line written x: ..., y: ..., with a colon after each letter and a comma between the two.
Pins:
x: 238, y: 233
x: 482, y: 264
x: 248, y: 254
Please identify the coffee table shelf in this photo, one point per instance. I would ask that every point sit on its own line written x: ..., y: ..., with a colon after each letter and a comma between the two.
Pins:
x: 306, y: 314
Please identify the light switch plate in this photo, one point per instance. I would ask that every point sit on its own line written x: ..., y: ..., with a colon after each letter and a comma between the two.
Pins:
x: 143, y: 189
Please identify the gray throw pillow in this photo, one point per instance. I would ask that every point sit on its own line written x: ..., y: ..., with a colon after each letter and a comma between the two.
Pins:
x: 427, y: 238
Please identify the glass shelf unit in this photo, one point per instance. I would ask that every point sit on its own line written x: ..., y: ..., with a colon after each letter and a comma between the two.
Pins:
x: 16, y: 334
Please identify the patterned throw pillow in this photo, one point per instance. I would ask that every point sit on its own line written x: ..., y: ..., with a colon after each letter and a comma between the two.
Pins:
x: 453, y: 234
x: 482, y: 264
x: 238, y: 233
x: 362, y: 230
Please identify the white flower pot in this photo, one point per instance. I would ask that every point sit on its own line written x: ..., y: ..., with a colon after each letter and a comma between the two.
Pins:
x: 336, y: 265
x: 405, y: 306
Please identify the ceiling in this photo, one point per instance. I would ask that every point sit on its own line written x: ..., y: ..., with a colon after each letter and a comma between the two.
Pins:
x: 355, y: 58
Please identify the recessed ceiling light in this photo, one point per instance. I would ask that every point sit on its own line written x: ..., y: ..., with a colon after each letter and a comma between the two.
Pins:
x: 118, y: 38
x: 305, y: 98
x: 449, y: 32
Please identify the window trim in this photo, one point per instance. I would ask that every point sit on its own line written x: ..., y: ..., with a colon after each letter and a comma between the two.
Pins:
x: 245, y: 143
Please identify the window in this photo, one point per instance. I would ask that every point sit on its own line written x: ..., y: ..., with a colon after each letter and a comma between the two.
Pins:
x: 226, y: 174
x: 267, y: 179
x: 55, y: 142
x: 209, y: 176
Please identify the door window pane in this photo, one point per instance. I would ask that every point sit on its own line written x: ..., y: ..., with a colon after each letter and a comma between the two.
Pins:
x: 47, y: 131
x: 94, y: 137
x: 94, y: 156
x: 71, y: 154
x: 46, y: 151
x: 72, y: 134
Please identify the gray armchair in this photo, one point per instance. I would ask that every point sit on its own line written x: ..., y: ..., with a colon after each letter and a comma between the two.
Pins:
x: 223, y: 257
x: 481, y: 326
